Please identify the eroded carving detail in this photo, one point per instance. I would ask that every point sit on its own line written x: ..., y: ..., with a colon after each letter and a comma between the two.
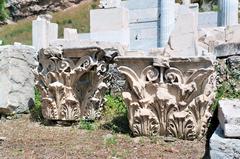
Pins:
x: 71, y: 87
x: 171, y: 99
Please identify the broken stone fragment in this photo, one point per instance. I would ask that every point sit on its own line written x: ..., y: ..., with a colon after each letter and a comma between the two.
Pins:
x: 229, y: 117
x: 223, y: 148
x: 16, y: 79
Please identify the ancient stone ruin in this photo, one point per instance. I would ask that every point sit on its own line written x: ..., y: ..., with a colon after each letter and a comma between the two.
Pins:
x: 168, y: 97
x: 168, y: 61
x: 73, y: 82
x: 16, y: 79
x: 170, y: 89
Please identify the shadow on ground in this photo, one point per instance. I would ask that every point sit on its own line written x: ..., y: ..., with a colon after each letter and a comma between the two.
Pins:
x: 118, y: 124
x: 212, y: 127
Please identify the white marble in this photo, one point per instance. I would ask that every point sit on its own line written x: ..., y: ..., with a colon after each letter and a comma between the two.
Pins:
x: 43, y: 32
x: 228, y: 12
x: 229, y: 117
x: 167, y: 20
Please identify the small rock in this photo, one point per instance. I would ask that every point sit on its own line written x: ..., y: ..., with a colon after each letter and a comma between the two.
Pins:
x: 171, y: 150
x: 9, y: 117
x: 2, y: 139
x: 136, y: 140
x: 169, y: 139
x: 108, y: 136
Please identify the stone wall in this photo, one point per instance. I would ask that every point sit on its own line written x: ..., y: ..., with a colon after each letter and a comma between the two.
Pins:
x: 16, y: 80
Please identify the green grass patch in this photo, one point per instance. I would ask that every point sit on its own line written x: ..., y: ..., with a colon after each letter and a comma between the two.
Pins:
x: 115, y: 115
x: 36, y: 110
x: 87, y: 125
x: 77, y: 17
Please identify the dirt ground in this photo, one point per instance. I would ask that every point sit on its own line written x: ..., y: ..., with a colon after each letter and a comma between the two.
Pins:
x: 23, y: 139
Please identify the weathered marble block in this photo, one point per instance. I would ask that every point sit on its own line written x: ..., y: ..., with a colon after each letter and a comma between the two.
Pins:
x: 229, y: 117
x: 72, y: 82
x: 168, y: 97
x: 16, y: 78
x: 223, y: 148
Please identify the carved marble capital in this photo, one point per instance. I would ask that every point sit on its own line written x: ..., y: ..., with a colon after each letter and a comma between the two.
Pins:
x: 168, y: 97
x: 72, y: 82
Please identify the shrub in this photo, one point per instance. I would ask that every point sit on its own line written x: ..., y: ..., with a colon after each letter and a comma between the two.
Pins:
x: 36, y: 111
x: 86, y: 125
x: 115, y: 115
x: 114, y: 106
x: 3, y: 11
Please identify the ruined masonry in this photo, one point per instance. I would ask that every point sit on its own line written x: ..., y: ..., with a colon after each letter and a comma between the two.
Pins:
x: 169, y: 70
x: 169, y: 73
x: 225, y: 143
x: 16, y: 79
x: 72, y: 82
x: 166, y: 58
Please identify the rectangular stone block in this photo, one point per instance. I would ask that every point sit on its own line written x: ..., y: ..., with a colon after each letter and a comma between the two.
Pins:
x: 84, y: 36
x: 207, y: 19
x: 229, y: 117
x: 111, y: 19
x: 142, y: 4
x: 183, y: 39
x: 16, y: 79
x: 144, y: 36
x: 121, y: 36
x: 52, y: 32
x: 143, y: 15
x: 39, y: 35
x: 43, y: 32
x: 70, y: 33
x: 223, y: 148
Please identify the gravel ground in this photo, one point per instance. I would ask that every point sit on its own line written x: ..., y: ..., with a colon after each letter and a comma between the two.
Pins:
x: 21, y: 138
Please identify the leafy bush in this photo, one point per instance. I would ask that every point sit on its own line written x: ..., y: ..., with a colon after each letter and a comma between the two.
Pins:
x: 3, y: 11
x: 228, y: 78
x: 36, y: 111
x: 86, y: 125
x: 115, y: 115
x: 114, y: 106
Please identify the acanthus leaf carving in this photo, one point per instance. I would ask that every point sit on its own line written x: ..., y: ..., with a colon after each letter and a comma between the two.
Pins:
x: 169, y: 100
x: 71, y: 87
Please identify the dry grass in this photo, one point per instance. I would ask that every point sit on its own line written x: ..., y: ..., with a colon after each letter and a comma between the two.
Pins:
x: 74, y: 17
x: 19, y: 32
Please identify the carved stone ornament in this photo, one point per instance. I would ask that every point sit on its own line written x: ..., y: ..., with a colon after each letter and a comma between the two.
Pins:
x: 168, y: 97
x: 72, y: 82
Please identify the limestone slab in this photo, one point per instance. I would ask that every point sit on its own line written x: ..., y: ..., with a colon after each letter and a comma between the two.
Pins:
x: 43, y: 32
x: 110, y: 4
x: 228, y: 49
x: 182, y: 41
x: 112, y: 19
x: 223, y: 148
x: 207, y: 19
x: 70, y: 33
x: 16, y: 79
x: 229, y: 117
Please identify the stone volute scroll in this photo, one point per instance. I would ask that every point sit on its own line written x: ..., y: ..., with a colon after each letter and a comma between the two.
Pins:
x: 72, y: 82
x: 168, y: 97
